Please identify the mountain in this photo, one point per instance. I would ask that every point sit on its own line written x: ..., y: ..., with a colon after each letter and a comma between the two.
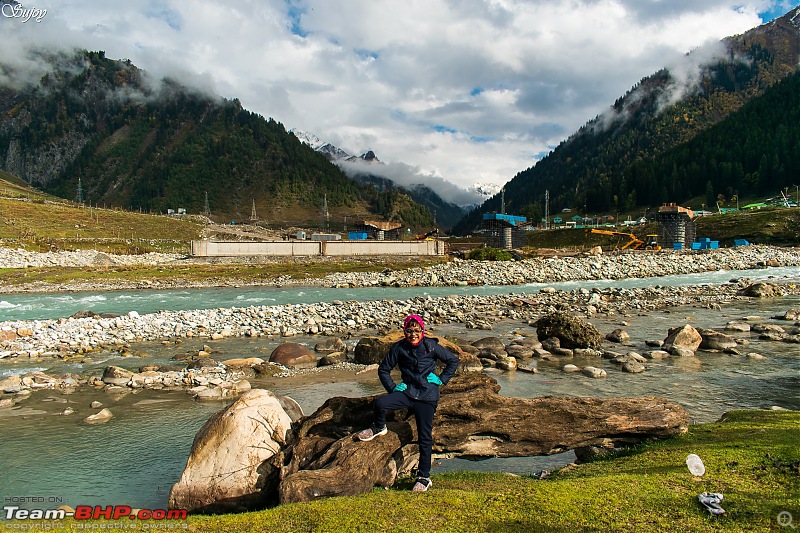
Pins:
x: 610, y: 163
x: 485, y: 189
x: 154, y: 145
x: 368, y: 169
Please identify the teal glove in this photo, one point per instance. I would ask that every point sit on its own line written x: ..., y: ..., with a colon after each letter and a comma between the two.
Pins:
x: 433, y: 378
x: 400, y: 387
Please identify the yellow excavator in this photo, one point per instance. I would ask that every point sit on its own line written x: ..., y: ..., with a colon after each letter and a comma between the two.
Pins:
x: 634, y: 242
x: 652, y: 242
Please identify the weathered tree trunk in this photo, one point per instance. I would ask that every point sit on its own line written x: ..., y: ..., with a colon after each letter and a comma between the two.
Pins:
x: 473, y: 421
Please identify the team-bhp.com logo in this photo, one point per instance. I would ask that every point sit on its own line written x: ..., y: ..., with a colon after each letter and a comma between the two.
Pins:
x: 96, y: 512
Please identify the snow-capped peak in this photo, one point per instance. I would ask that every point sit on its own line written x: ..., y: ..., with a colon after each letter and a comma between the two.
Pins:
x: 486, y: 190
x: 308, y: 138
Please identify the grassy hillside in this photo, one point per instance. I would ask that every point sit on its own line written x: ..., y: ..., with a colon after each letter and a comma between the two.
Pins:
x: 13, y: 187
x: 42, y: 222
x: 37, y: 221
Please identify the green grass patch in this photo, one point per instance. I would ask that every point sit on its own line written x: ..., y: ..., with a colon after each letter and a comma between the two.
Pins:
x: 751, y: 458
x: 41, y: 226
x: 489, y: 254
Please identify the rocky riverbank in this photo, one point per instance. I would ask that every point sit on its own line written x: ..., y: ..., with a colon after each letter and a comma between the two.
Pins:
x: 559, y: 269
x: 68, y: 337
x: 453, y: 273
x: 21, y: 258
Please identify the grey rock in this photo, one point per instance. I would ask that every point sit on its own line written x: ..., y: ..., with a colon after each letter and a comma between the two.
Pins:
x: 618, y: 335
x: 633, y: 367
x: 571, y: 331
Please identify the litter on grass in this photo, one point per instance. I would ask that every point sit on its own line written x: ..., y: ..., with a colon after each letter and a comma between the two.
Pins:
x: 695, y: 464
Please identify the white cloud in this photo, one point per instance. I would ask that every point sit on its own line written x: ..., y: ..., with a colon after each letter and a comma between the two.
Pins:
x: 469, y: 90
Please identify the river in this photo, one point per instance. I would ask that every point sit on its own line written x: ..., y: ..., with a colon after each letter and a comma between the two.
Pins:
x: 136, y: 457
x: 40, y: 306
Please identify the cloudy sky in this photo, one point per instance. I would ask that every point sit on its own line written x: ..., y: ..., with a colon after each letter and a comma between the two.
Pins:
x: 466, y: 90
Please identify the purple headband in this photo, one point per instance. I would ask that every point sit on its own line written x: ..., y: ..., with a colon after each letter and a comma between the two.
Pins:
x: 415, y: 318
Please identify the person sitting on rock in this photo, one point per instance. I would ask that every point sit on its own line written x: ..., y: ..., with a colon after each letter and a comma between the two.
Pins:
x: 416, y: 357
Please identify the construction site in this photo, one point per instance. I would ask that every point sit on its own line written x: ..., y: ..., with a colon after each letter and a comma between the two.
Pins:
x: 669, y: 227
x: 676, y: 231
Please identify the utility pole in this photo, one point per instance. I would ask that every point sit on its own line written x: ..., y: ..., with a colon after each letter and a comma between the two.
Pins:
x: 547, y: 209
x: 325, y: 213
x: 503, y: 201
x: 206, y: 210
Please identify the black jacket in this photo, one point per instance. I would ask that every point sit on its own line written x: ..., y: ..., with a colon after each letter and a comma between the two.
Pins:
x: 415, y: 364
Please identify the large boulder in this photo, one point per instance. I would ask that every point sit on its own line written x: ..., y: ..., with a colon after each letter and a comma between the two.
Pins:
x: 101, y: 417
x: 202, y: 362
x: 235, y: 457
x: 619, y: 335
x: 684, y: 337
x: 714, y: 340
x: 518, y: 351
x: 371, y: 350
x: 241, y: 452
x: 792, y: 314
x: 572, y: 332
x: 324, y: 464
x: 102, y: 259
x: 293, y: 355
x: 11, y: 385
x: 333, y: 358
x: 115, y: 375
x: 330, y: 345
x: 490, y: 345
x: 762, y: 290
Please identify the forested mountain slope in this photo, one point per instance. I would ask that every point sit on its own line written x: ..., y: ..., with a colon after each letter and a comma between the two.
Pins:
x: 154, y: 146
x: 602, y: 168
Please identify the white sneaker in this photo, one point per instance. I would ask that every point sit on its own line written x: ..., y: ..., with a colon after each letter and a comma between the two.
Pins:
x: 422, y: 484
x: 371, y: 432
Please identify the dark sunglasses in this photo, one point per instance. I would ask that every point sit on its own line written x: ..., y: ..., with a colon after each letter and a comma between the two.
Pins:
x: 409, y: 331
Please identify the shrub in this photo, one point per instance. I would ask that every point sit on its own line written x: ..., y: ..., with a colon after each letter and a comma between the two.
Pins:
x: 490, y: 254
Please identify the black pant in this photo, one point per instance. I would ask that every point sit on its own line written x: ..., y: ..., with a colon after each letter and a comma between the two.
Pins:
x: 423, y: 414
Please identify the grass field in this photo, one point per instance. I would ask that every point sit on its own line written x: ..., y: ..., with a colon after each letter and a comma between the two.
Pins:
x: 751, y: 457
x: 40, y: 222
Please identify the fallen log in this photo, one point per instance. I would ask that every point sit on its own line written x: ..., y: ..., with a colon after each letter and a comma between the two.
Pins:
x: 472, y: 421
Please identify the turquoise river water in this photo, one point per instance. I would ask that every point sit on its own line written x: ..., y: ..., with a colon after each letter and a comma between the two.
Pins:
x: 136, y: 457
